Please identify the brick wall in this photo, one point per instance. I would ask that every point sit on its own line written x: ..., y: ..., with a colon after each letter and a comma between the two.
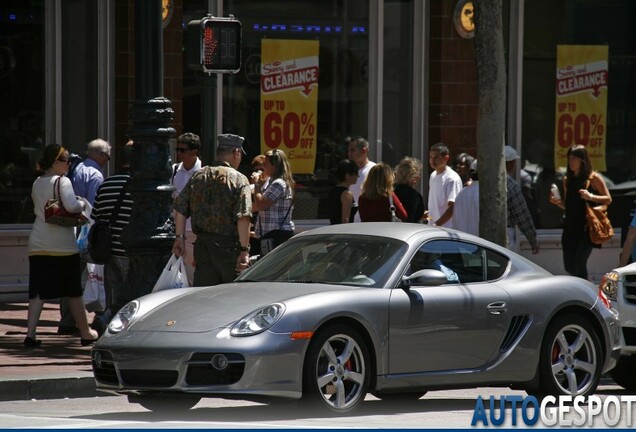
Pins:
x: 453, y: 83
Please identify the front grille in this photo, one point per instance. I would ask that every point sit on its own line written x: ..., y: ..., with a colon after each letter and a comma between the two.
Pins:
x: 104, y: 367
x: 629, y: 288
x: 518, y: 324
x: 149, y: 378
x: 201, y: 372
x: 629, y: 333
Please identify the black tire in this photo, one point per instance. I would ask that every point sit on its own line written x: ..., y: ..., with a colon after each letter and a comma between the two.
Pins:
x: 571, y: 359
x: 340, y: 383
x: 624, y: 374
x: 399, y: 397
x: 164, y: 403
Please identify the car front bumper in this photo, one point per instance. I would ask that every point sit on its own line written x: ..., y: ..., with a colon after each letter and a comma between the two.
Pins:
x: 267, y: 364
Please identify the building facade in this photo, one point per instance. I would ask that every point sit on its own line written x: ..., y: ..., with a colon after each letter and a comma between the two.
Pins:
x: 400, y: 72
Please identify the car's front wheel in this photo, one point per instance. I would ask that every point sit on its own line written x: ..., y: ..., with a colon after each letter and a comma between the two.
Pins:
x: 164, y: 402
x: 571, y: 358
x: 624, y: 374
x: 337, y: 371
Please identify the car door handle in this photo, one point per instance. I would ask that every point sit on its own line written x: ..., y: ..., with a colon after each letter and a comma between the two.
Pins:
x: 497, y: 308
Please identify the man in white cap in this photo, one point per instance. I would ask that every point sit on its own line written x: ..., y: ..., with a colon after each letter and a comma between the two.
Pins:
x: 518, y: 213
x: 218, y: 200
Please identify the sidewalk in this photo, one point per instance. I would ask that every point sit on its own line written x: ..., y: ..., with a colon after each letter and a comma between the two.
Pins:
x: 60, y: 368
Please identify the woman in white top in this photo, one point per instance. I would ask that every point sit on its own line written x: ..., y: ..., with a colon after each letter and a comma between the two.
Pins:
x: 54, y: 263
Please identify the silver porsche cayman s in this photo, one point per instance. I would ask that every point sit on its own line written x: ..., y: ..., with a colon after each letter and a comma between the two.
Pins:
x: 337, y: 312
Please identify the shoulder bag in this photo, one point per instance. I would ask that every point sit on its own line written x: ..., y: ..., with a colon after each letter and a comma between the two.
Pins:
x: 275, y: 237
x: 394, y: 217
x: 56, y: 214
x: 599, y: 226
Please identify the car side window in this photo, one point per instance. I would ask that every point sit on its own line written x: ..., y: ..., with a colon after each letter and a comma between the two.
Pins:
x: 461, y: 262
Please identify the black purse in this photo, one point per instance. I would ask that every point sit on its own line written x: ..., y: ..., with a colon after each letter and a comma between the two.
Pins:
x: 100, y: 238
x: 275, y: 238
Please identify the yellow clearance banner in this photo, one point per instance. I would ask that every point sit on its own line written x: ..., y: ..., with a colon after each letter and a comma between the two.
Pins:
x: 581, y: 102
x: 289, y: 100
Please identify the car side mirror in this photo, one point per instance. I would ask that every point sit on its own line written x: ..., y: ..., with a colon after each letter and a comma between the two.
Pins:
x: 426, y: 277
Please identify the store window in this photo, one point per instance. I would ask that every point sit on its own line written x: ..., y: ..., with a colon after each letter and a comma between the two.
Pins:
x: 397, y: 96
x: 342, y: 31
x: 22, y: 107
x: 579, y: 22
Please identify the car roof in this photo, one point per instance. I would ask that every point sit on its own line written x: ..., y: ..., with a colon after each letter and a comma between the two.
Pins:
x: 400, y: 231
x: 406, y: 232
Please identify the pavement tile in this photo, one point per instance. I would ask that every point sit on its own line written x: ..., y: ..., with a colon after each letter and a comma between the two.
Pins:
x: 61, y: 367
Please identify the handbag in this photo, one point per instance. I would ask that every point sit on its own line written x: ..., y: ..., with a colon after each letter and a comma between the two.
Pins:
x: 599, y: 226
x: 94, y: 291
x: 394, y: 217
x: 100, y: 237
x: 173, y: 275
x: 56, y: 214
x: 274, y: 238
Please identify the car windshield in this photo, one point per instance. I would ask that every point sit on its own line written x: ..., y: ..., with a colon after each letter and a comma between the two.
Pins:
x: 340, y: 259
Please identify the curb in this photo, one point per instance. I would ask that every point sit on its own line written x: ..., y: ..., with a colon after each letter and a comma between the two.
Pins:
x: 49, y: 388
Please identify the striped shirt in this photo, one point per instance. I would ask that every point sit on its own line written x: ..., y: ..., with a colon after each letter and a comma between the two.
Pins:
x: 105, y: 202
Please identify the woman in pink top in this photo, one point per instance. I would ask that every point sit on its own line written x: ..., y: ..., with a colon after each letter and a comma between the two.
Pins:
x: 374, y: 205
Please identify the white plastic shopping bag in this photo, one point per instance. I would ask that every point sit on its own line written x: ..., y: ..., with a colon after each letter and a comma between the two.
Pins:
x: 94, y: 291
x: 173, y: 275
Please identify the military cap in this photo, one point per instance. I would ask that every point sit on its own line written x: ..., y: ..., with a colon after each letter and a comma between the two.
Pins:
x: 231, y: 141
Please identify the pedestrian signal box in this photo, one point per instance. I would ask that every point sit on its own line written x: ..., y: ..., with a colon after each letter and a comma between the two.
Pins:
x: 214, y: 44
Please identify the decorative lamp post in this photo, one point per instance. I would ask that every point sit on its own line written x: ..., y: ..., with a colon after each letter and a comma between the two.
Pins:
x: 149, y: 236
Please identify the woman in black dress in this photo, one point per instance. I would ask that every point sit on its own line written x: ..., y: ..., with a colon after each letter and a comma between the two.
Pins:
x: 582, y: 186
x: 340, y: 198
x: 407, y: 176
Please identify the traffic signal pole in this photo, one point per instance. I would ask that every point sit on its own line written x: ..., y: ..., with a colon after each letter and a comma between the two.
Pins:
x: 213, y: 47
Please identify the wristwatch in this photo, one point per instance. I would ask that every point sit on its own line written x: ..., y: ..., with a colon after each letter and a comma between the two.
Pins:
x: 245, y: 248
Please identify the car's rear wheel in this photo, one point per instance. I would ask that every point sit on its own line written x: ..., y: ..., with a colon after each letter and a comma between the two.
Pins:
x: 164, y: 402
x: 337, y: 371
x: 624, y: 374
x: 571, y: 359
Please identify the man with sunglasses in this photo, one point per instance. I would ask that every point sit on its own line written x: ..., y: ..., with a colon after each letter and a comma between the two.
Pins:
x: 188, y: 162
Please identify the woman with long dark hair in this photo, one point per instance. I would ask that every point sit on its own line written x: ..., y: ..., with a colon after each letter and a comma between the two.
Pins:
x: 54, y: 261
x: 340, y: 201
x: 582, y: 186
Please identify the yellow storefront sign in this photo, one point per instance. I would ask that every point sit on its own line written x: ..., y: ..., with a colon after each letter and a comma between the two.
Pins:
x: 581, y: 102
x: 289, y: 100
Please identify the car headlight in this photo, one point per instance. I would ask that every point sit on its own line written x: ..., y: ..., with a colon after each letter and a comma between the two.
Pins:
x: 258, y: 321
x: 609, y: 285
x: 124, y: 317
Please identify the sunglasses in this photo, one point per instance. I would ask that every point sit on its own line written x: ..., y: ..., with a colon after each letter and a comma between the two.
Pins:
x: 181, y: 149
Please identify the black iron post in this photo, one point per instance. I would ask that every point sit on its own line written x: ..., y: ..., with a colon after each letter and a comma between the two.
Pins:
x: 208, y: 116
x: 149, y: 236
